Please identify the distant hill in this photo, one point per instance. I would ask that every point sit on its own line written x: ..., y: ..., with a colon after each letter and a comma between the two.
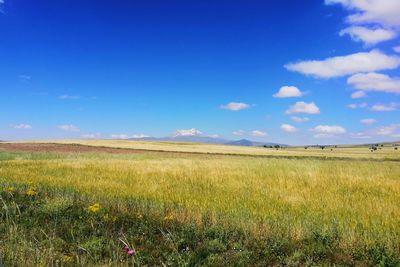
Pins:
x: 246, y: 142
x: 207, y: 140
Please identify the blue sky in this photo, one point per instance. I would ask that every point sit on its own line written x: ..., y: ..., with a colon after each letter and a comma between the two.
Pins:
x: 296, y: 72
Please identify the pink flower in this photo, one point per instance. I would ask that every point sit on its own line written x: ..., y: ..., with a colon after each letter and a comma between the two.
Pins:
x: 126, y: 248
x: 131, y: 252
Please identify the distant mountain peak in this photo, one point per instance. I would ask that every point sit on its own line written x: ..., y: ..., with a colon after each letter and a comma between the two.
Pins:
x: 188, y: 132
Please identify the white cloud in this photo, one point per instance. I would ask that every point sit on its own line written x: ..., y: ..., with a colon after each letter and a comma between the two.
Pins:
x: 299, y: 119
x: 346, y: 65
x: 288, y: 91
x: 69, y: 97
x: 385, y: 107
x: 140, y: 136
x: 397, y: 49
x: 257, y: 133
x: 368, y: 36
x: 322, y: 131
x: 360, y: 135
x: 68, y: 128
x: 24, y: 77
x: 188, y: 132
x: 368, y: 121
x: 22, y: 126
x: 359, y: 105
x: 235, y: 106
x: 358, y: 94
x: 375, y: 82
x: 127, y: 136
x: 383, y: 12
x: 392, y: 130
x: 91, y: 136
x: 303, y: 107
x: 239, y: 133
x: 288, y: 128
x: 120, y: 136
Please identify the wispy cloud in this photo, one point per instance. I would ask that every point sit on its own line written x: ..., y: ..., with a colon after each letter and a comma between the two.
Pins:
x: 69, y: 128
x: 22, y: 126
x: 25, y: 78
x: 69, y: 97
x: 299, y: 119
x: 258, y: 133
x: 303, y: 107
x: 91, y: 136
x: 368, y: 121
x: 357, y: 105
x: 235, y: 106
x: 358, y: 94
x: 239, y: 133
x: 384, y: 107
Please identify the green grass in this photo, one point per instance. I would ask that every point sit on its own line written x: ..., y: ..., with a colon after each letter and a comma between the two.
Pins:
x: 193, y: 209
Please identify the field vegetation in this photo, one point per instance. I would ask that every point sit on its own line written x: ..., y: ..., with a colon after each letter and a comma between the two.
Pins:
x: 186, y: 209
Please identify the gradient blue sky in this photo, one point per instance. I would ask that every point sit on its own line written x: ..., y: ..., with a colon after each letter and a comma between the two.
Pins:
x: 102, y: 69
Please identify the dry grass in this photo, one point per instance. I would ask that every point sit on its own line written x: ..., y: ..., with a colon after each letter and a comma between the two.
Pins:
x: 386, y: 152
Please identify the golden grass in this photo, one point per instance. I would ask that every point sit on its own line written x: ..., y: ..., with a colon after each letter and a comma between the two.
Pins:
x: 294, y: 196
x: 386, y: 152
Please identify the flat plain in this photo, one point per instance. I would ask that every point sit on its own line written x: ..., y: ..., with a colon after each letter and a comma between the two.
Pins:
x: 188, y: 204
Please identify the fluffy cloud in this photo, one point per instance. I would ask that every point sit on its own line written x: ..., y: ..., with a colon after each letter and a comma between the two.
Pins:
x: 239, y: 133
x: 235, y: 106
x: 68, y: 97
x: 299, y: 119
x: 327, y: 130
x: 375, y: 82
x: 383, y: 12
x: 257, y: 133
x: 355, y: 106
x: 368, y: 121
x: 385, y: 107
x: 288, y: 91
x: 358, y: 94
x: 397, y: 49
x: 22, y: 126
x: 288, y: 128
x: 368, y: 36
x: 69, y: 128
x: 188, y: 132
x: 303, y: 107
x: 346, y: 65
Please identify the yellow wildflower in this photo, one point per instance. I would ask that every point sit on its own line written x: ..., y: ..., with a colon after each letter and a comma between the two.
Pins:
x: 31, y: 192
x: 94, y: 208
x: 169, y: 217
x: 139, y: 215
x: 67, y: 258
x: 10, y: 189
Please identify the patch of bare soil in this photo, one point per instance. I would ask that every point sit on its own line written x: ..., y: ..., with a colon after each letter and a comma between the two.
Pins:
x: 64, y: 148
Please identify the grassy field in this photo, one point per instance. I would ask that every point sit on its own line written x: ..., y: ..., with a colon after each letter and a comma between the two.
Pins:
x: 185, y: 209
x: 387, y: 152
